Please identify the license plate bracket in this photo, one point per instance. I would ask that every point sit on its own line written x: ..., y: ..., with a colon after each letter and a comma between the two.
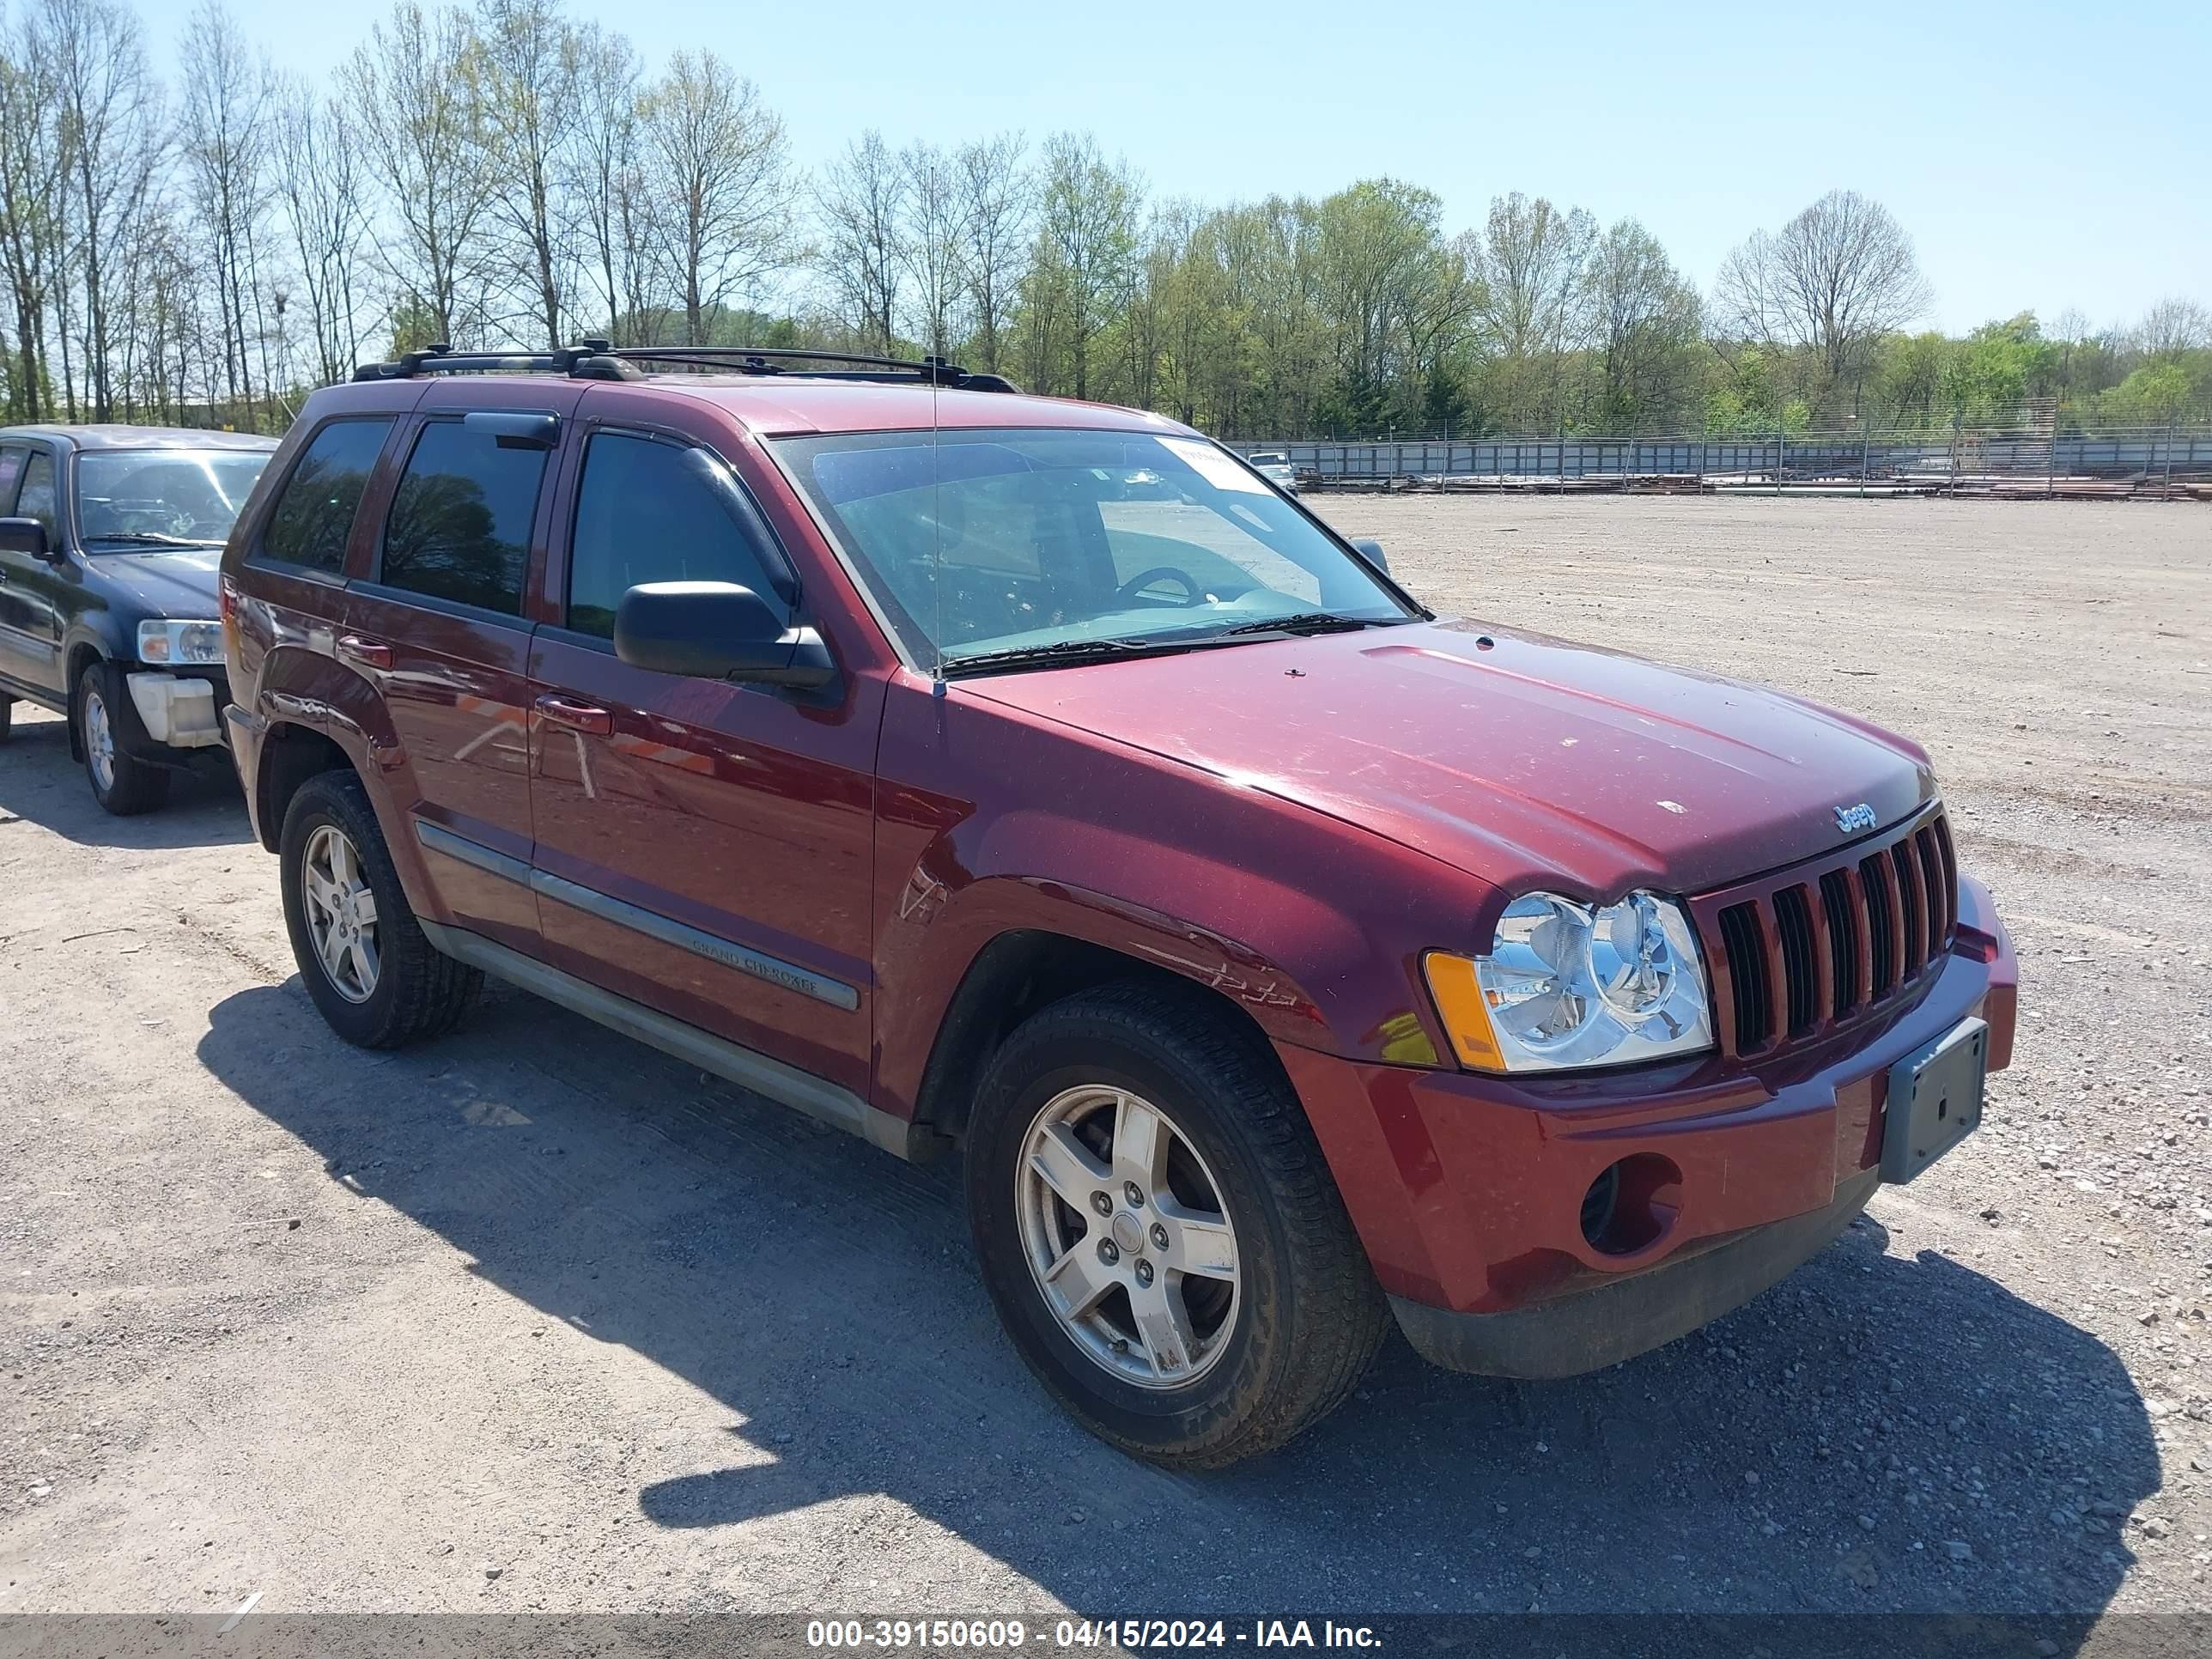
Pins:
x: 1934, y: 1100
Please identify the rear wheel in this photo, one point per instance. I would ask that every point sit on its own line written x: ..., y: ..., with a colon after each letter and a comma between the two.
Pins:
x: 106, y: 725
x: 363, y: 957
x: 1160, y: 1232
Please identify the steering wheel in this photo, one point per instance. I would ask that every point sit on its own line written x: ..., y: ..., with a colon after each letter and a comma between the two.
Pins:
x: 1144, y: 579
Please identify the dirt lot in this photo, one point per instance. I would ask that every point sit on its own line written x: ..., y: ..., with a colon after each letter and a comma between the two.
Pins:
x: 535, y: 1318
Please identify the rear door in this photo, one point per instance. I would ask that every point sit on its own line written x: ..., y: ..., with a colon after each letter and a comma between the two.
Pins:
x: 439, y: 626
x: 705, y: 847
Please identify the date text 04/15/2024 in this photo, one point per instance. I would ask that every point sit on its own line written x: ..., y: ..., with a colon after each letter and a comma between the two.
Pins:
x: 1102, y: 1634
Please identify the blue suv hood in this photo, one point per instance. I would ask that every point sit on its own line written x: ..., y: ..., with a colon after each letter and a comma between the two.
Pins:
x: 179, y: 584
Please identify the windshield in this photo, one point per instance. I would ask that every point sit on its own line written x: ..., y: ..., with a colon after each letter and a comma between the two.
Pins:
x: 979, y: 543
x: 163, y: 497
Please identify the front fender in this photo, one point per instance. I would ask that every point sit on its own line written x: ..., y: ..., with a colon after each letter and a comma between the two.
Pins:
x: 1314, y: 926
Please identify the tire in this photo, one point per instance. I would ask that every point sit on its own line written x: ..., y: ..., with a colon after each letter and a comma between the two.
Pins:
x: 108, y: 724
x: 412, y: 990
x: 1304, y: 1316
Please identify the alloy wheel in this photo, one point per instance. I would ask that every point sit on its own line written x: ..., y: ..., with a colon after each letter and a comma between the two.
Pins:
x: 1127, y: 1237
x: 100, y: 740
x: 341, y: 913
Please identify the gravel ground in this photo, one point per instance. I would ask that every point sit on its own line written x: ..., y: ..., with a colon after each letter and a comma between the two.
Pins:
x: 534, y: 1318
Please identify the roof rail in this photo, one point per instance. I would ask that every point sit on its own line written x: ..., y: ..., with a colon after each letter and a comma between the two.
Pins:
x: 587, y: 360
x: 772, y: 360
x: 599, y: 359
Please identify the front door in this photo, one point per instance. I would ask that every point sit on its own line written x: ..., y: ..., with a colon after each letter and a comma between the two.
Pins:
x: 30, y: 613
x: 440, y: 626
x: 704, y: 847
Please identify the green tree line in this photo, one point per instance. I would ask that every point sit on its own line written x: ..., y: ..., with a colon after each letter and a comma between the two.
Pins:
x: 207, y: 247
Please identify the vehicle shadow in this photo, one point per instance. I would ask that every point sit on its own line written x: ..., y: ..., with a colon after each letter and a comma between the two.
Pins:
x: 40, y: 784
x: 1880, y: 1433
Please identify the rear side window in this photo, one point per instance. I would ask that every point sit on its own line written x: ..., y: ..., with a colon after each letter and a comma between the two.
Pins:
x: 459, y: 528
x: 11, y: 474
x: 652, y: 512
x: 37, y: 499
x: 314, y: 511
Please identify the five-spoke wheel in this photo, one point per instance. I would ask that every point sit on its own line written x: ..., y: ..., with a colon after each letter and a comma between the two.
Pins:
x: 363, y: 956
x: 341, y: 913
x: 1128, y: 1236
x: 1157, y: 1228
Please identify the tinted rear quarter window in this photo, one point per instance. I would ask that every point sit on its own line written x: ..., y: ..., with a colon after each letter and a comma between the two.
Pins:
x: 646, y: 513
x: 459, y: 528
x: 11, y: 474
x: 314, y: 511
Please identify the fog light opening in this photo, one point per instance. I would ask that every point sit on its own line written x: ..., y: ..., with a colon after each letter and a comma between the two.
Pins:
x: 1631, y: 1205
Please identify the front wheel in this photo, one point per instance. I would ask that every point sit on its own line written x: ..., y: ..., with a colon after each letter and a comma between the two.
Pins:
x: 106, y: 723
x: 1160, y: 1232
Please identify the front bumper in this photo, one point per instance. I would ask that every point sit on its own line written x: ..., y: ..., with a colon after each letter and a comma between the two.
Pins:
x: 179, y: 710
x: 1468, y: 1191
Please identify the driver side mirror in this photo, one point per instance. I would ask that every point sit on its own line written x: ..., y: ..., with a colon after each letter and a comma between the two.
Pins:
x: 717, y: 631
x: 1373, y: 549
x: 26, y: 535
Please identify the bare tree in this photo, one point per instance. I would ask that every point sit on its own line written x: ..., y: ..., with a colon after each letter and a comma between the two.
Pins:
x: 411, y: 90
x: 110, y: 114
x: 1835, y: 279
x: 932, y: 243
x: 605, y: 174
x: 529, y: 67
x: 2171, y: 327
x: 31, y: 183
x: 997, y: 196
x: 717, y: 163
x: 862, y: 204
x: 224, y: 148
x: 319, y: 184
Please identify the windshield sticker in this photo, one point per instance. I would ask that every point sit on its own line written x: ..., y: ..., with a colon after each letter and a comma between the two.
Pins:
x: 1216, y: 468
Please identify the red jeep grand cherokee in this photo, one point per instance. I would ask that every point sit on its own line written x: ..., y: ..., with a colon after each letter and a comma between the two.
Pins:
x: 963, y: 768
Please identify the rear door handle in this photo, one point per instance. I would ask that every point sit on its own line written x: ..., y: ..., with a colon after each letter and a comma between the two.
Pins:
x: 578, y: 716
x: 369, y: 653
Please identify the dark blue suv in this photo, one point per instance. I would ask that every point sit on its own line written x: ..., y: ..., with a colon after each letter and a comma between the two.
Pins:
x: 109, y: 537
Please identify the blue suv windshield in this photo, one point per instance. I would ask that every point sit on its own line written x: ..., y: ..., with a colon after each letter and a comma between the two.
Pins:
x: 163, y: 497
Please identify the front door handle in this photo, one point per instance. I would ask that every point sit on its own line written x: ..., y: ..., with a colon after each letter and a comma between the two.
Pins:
x: 578, y: 716
x: 369, y: 653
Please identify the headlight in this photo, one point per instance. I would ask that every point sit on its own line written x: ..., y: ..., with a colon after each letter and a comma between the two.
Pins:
x: 1567, y: 984
x: 179, y: 642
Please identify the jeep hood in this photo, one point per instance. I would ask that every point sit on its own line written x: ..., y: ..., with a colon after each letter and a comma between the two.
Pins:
x: 177, y: 583
x: 1524, y: 761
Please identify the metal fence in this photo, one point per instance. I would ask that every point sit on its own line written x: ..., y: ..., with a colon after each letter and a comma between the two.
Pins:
x: 2172, y: 462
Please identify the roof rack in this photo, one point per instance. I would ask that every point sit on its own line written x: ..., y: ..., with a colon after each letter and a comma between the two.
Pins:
x: 599, y: 360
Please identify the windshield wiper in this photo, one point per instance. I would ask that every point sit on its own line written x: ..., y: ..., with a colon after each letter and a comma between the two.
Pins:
x: 1305, y: 621
x: 150, y: 538
x: 1064, y: 653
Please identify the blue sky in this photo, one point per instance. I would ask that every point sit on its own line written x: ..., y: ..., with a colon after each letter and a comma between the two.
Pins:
x: 2042, y: 157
